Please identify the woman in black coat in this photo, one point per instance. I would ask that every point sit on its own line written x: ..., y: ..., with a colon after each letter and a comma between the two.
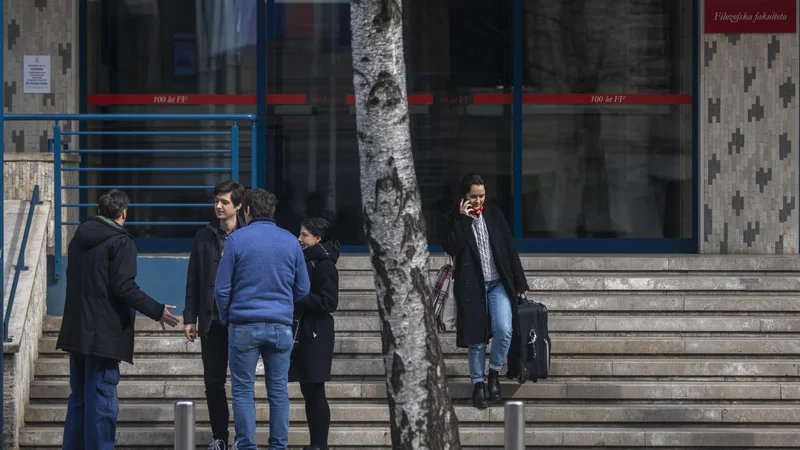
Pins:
x: 488, y: 276
x: 313, y: 353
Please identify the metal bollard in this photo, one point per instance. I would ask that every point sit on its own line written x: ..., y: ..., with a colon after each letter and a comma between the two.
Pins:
x: 184, y: 425
x: 515, y: 425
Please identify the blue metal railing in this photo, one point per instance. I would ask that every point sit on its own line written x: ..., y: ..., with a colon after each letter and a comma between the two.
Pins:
x: 56, y: 147
x: 35, y: 200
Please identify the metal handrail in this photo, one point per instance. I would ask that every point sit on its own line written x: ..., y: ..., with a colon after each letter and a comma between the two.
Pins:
x: 35, y: 200
x: 58, y: 150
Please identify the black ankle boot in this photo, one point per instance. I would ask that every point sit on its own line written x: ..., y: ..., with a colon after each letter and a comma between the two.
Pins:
x: 478, y: 397
x: 494, y: 386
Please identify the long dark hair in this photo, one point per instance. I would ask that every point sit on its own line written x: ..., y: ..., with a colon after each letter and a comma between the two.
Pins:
x: 322, y: 229
x: 467, y: 182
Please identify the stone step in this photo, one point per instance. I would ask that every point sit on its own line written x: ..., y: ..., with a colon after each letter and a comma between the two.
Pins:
x: 662, y: 303
x: 745, y: 302
x: 163, y: 413
x: 380, y: 436
x: 611, y: 263
x: 562, y: 345
x: 575, y: 324
x: 692, y: 282
x: 578, y: 367
x: 542, y: 391
x: 363, y: 281
x: 624, y: 263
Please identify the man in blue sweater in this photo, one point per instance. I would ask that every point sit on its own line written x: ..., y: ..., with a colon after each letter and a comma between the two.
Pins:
x: 261, y: 274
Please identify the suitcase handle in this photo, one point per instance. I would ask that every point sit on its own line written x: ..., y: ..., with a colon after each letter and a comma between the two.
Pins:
x: 522, y: 299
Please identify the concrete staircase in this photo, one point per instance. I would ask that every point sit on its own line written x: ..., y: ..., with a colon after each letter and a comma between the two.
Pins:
x: 667, y: 352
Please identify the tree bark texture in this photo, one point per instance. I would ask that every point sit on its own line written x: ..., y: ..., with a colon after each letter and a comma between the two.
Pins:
x: 422, y: 415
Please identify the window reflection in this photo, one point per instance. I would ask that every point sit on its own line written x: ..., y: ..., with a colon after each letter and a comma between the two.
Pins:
x: 608, y: 170
x: 453, y: 51
x: 589, y: 169
x: 169, y: 49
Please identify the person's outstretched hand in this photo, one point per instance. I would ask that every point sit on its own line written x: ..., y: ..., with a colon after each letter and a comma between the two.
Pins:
x: 167, y: 318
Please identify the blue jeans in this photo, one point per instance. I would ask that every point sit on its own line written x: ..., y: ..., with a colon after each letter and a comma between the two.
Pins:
x: 93, y: 405
x: 273, y: 342
x: 498, y: 306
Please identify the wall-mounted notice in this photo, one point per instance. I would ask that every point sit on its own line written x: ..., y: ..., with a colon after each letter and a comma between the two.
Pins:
x: 37, y: 74
x: 750, y: 16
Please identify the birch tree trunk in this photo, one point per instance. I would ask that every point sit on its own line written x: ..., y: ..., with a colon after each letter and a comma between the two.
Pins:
x: 422, y: 415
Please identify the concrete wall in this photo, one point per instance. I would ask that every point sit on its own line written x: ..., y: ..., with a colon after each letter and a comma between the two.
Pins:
x: 749, y: 138
x: 23, y: 171
x: 27, y: 312
x: 39, y: 27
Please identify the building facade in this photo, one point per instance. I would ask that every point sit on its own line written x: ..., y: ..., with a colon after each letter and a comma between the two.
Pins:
x: 626, y: 126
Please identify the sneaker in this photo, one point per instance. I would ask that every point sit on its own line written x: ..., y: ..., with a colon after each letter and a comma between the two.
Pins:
x: 219, y: 444
x: 235, y: 446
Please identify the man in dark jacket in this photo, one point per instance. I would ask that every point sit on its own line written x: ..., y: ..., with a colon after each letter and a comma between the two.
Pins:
x: 207, y: 248
x: 98, y: 323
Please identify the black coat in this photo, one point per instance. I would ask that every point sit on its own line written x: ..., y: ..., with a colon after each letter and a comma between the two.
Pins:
x: 458, y: 240
x: 313, y: 354
x: 102, y: 294
x: 201, y: 275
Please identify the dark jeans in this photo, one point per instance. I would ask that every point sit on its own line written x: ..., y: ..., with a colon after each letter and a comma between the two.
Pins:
x: 318, y: 413
x: 93, y: 405
x: 214, y: 348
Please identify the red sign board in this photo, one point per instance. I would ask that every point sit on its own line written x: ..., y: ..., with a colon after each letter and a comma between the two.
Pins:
x: 750, y: 16
x: 193, y: 99
x: 413, y: 99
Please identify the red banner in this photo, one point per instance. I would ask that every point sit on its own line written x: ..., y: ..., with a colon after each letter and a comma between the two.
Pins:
x: 750, y: 16
x: 193, y: 99
x: 585, y: 99
x: 606, y: 99
x: 413, y: 99
x: 492, y: 99
x: 170, y: 99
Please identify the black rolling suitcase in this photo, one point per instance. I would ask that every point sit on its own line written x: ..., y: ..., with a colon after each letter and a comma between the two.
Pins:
x: 533, y: 341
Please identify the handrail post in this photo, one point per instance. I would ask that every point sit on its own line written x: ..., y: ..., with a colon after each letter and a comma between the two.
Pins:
x: 253, y: 155
x: 235, y: 152
x: 184, y: 425
x: 515, y: 425
x: 57, y: 235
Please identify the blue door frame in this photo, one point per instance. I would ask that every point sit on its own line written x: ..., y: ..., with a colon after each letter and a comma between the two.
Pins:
x: 264, y: 164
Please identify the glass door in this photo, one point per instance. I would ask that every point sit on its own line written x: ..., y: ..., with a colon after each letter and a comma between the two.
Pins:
x: 605, y: 160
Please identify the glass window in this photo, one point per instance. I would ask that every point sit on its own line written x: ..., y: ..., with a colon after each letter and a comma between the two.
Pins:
x: 607, y: 108
x: 170, y: 57
x: 453, y: 51
x: 607, y: 119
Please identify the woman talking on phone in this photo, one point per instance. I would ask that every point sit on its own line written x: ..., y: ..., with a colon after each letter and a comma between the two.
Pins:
x: 488, y: 276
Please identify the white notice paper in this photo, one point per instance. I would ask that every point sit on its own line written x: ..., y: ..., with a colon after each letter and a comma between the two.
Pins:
x: 37, y: 74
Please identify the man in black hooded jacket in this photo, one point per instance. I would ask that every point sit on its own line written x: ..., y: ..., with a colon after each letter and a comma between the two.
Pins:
x: 98, y: 323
